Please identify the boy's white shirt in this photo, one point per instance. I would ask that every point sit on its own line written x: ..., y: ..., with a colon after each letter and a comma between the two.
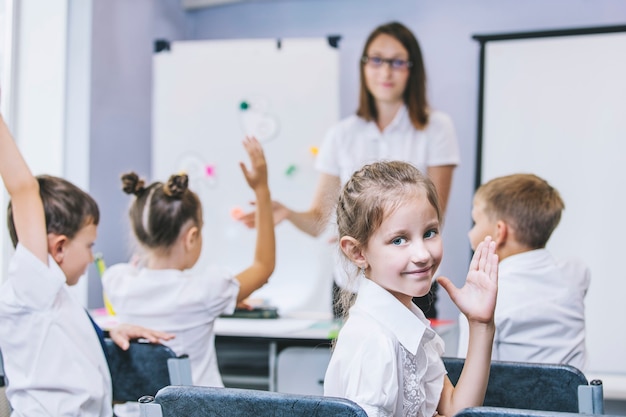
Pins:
x: 53, y: 359
x: 540, y: 313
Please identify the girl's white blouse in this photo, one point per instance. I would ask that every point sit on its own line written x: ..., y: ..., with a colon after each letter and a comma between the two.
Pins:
x: 387, y: 359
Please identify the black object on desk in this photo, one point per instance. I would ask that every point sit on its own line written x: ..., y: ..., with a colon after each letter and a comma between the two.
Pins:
x: 254, y: 313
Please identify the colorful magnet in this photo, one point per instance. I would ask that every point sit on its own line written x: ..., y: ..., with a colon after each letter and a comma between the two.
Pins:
x: 236, y: 213
x: 291, y: 169
x: 314, y: 150
x: 244, y: 105
x: 209, y: 170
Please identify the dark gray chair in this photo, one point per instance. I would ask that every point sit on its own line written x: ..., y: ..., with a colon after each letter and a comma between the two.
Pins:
x: 189, y: 401
x: 533, y: 386
x: 2, y: 381
x: 5, y: 407
x: 144, y: 369
x: 514, y: 412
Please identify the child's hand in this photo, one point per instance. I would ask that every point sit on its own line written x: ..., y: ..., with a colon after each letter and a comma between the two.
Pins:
x: 477, y: 298
x: 256, y: 176
x: 122, y: 334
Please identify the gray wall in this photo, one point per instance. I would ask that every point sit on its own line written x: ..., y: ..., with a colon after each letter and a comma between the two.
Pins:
x: 124, y: 32
x: 123, y: 37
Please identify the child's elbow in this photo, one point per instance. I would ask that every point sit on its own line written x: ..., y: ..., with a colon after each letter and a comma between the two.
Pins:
x: 26, y: 186
x: 267, y: 269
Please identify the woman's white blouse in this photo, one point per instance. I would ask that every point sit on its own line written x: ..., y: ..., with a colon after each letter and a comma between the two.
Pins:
x: 387, y: 359
x: 354, y: 142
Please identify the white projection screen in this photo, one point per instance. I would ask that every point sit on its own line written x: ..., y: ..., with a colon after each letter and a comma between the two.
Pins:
x: 553, y: 103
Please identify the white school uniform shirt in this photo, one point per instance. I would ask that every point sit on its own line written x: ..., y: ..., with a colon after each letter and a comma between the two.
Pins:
x: 354, y: 142
x: 387, y: 359
x: 53, y: 358
x: 185, y: 303
x: 540, y: 311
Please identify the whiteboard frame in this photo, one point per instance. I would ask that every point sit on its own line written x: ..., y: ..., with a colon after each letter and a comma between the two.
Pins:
x: 605, y: 343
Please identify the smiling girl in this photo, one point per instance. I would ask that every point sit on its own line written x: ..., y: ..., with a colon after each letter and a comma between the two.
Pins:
x: 387, y: 358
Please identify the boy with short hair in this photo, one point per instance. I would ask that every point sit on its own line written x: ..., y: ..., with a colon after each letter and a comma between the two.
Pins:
x: 54, y: 361
x: 540, y: 312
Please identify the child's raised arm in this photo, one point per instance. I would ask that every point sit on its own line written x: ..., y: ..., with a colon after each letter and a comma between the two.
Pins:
x: 477, y: 300
x: 23, y: 188
x: 262, y: 267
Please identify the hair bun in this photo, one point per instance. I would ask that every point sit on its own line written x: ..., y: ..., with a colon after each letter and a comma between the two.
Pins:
x: 176, y: 185
x: 131, y: 184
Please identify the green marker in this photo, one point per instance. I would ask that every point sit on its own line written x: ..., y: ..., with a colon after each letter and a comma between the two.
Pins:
x: 332, y: 335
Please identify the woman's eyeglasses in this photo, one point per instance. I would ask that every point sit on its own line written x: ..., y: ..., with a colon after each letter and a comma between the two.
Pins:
x: 377, y: 62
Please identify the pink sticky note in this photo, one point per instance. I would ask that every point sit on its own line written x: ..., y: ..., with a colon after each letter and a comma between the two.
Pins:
x: 236, y: 213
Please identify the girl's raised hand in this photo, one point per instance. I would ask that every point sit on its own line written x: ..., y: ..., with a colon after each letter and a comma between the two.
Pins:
x: 477, y: 298
x: 256, y: 176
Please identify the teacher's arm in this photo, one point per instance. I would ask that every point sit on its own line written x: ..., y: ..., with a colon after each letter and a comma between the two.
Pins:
x: 314, y: 220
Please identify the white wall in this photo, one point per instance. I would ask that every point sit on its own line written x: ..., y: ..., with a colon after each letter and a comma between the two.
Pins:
x: 48, y: 112
x: 6, y: 96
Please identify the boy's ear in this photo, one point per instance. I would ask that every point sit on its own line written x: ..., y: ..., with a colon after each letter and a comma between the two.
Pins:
x: 56, y: 246
x: 502, y: 233
x: 351, y: 248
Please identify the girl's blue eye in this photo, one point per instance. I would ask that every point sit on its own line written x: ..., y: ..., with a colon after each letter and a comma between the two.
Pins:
x: 398, y: 241
x: 430, y: 234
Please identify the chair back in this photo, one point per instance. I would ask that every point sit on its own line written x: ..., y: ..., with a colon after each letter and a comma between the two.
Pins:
x: 191, y: 401
x: 5, y: 407
x: 2, y: 381
x: 513, y: 412
x: 144, y: 369
x: 530, y: 386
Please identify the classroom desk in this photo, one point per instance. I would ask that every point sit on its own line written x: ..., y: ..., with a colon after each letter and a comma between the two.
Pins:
x: 248, y: 349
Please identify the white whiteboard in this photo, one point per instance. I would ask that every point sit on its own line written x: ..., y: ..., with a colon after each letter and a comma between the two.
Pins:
x: 556, y: 106
x: 206, y: 96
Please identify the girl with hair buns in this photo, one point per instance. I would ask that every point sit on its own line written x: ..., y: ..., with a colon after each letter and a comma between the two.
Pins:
x: 167, y: 223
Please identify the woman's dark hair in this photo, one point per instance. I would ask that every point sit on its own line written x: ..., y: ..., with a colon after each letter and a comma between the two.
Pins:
x: 160, y: 211
x: 415, y: 91
x: 67, y: 208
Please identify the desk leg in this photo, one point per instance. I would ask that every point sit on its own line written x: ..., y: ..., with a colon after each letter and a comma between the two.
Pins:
x: 272, y: 366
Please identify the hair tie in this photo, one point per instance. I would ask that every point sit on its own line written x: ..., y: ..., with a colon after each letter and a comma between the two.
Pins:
x: 131, y: 184
x: 176, y: 186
